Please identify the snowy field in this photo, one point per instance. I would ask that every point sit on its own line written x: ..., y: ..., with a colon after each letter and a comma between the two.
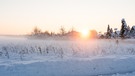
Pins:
x: 20, y: 56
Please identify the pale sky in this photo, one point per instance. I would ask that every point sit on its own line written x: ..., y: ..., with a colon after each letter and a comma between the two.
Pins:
x: 19, y: 17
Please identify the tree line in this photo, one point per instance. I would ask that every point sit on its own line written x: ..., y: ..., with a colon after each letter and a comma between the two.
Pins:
x: 62, y: 32
x: 124, y: 32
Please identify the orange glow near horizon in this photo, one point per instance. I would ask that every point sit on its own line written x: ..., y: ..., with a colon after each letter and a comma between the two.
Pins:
x: 85, y: 33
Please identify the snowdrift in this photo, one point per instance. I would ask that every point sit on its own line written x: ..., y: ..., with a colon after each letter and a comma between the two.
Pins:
x: 72, y: 67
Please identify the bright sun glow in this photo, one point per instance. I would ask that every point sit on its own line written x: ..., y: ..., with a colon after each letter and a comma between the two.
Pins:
x: 85, y: 33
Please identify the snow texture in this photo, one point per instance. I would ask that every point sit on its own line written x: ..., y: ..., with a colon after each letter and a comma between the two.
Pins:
x: 23, y: 57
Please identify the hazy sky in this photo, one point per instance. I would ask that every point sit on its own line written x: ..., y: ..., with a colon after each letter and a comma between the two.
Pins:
x: 21, y: 16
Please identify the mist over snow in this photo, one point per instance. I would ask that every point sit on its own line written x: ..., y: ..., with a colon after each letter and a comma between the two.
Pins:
x: 20, y: 56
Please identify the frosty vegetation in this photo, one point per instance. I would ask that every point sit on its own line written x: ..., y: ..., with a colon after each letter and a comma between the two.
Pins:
x: 21, y: 49
x: 38, y: 57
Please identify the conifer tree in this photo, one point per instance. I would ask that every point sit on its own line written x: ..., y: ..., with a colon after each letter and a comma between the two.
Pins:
x: 108, y: 32
x: 123, y: 30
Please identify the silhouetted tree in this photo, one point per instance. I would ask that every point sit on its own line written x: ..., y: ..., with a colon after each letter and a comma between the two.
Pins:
x: 108, y: 34
x: 108, y: 28
x: 62, y: 30
x: 123, y: 31
x: 46, y: 33
x: 52, y: 33
x: 36, y: 31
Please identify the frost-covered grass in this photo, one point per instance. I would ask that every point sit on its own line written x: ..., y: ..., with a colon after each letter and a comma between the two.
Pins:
x: 21, y: 47
x: 107, y: 57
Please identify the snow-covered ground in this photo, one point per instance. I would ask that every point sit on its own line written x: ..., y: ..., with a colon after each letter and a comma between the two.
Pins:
x: 20, y: 56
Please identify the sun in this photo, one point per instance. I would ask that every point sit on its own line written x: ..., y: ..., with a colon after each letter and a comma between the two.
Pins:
x: 85, y: 33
